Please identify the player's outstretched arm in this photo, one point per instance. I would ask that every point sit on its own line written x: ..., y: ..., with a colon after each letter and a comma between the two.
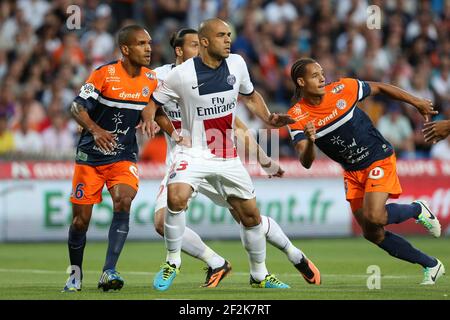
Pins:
x: 103, y: 138
x: 424, y: 106
x: 305, y: 147
x: 437, y: 130
x: 257, y: 105
x: 252, y: 148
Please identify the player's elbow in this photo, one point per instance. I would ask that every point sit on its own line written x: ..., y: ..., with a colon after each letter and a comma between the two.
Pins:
x: 375, y: 87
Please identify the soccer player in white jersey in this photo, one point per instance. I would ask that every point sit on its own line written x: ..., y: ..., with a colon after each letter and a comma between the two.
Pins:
x: 185, y: 44
x: 207, y: 88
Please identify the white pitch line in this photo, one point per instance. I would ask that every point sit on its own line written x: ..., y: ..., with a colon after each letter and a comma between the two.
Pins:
x: 143, y: 273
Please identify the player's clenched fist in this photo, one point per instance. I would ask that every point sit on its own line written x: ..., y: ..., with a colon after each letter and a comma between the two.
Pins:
x: 310, y: 131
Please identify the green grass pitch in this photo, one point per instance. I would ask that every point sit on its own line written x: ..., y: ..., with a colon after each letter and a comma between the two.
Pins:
x: 37, y: 271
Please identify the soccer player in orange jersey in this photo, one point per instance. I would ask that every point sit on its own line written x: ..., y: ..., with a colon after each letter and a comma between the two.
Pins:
x: 108, y: 108
x: 327, y: 115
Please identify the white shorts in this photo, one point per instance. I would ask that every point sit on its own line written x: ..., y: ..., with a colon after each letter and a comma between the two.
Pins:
x: 204, y: 188
x: 217, y: 178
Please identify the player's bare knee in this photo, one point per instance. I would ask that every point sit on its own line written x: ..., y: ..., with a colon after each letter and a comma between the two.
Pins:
x: 375, y: 235
x: 375, y: 216
x: 122, y: 204
x: 80, y: 224
x: 176, y: 202
x: 250, y: 221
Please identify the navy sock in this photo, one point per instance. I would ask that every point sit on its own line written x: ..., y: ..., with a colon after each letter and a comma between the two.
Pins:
x: 118, y: 232
x: 398, y: 247
x: 400, y: 212
x: 76, y: 244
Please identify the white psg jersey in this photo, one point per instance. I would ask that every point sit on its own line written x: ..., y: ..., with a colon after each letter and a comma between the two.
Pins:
x: 172, y: 110
x: 208, y: 99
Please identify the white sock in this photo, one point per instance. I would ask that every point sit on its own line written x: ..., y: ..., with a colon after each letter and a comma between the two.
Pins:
x: 254, y: 242
x: 194, y: 246
x: 276, y: 237
x: 174, y: 225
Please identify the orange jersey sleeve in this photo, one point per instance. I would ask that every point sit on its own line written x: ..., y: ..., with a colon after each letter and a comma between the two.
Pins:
x: 91, y: 89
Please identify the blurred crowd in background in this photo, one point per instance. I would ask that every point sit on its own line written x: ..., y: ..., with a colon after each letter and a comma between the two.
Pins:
x: 43, y: 64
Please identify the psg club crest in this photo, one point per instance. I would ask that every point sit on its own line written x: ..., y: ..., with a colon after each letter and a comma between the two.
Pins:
x: 145, y: 91
x: 231, y: 79
x: 341, y: 104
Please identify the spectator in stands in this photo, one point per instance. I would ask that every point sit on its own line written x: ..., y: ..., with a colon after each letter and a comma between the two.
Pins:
x: 69, y: 52
x: 396, y: 128
x: 155, y: 149
x: 280, y: 11
x: 98, y: 43
x: 6, y: 136
x: 200, y: 10
x: 58, y: 140
x: 27, y: 141
x: 441, y: 150
x: 440, y: 81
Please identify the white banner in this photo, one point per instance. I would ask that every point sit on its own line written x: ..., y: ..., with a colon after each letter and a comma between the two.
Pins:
x: 41, y: 210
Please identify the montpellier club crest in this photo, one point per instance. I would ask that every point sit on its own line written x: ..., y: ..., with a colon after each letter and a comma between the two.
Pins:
x: 341, y: 104
x: 145, y: 91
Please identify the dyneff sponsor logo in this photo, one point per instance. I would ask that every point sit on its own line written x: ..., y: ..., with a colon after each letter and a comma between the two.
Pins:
x: 125, y: 95
x: 328, y: 118
x: 218, y: 106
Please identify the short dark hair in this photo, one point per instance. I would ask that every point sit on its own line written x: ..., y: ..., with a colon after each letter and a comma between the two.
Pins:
x: 123, y: 36
x: 177, y: 38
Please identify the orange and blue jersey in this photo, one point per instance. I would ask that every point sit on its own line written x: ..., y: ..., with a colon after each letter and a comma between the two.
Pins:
x: 114, y: 100
x: 343, y: 131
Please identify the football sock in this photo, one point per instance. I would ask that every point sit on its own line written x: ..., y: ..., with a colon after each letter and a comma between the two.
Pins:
x: 194, y: 246
x: 398, y: 247
x: 400, y: 212
x: 254, y: 242
x: 118, y: 232
x: 174, y: 227
x: 276, y: 237
x: 76, y: 244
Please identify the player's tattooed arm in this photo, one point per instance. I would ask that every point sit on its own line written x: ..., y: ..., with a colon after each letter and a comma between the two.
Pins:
x: 254, y: 150
x: 424, y: 106
x: 103, y: 139
x: 305, y: 147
